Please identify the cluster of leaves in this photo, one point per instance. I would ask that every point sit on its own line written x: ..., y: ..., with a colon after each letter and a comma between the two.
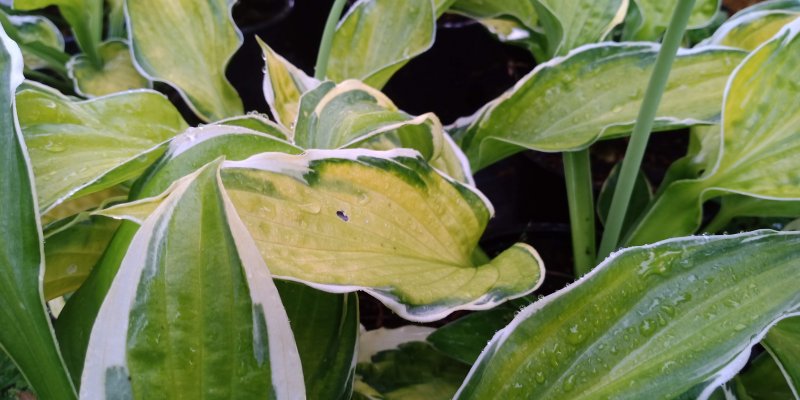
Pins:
x: 144, y: 258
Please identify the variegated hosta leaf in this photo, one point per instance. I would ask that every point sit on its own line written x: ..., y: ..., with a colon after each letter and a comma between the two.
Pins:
x: 571, y: 24
x: 523, y: 11
x: 148, y: 342
x: 188, y: 44
x: 752, y: 29
x: 384, y: 222
x: 760, y: 141
x: 117, y: 73
x: 38, y: 38
x: 595, y: 93
x: 377, y: 37
x: 648, y: 322
x: 648, y: 19
x: 85, y: 17
x: 284, y: 84
x: 58, y: 217
x: 78, y: 148
x: 26, y: 335
x: 352, y: 114
x: 71, y: 253
x: 258, y: 123
x: 783, y: 343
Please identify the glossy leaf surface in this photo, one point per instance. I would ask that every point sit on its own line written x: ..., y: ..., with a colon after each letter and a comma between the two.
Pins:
x: 594, y: 93
x: 377, y: 37
x: 658, y: 319
x: 78, y: 148
x: 188, y: 44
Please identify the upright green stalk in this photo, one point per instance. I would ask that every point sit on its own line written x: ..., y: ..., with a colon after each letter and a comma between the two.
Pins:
x: 327, y: 39
x: 644, y: 124
x: 578, y: 174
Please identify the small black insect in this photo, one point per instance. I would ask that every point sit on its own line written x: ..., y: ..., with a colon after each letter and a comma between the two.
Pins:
x: 342, y: 216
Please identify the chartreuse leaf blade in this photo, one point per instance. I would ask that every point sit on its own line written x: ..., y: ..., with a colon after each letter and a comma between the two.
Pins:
x: 377, y: 37
x: 117, y: 73
x: 384, y: 222
x: 85, y: 17
x: 220, y: 328
x: 26, y: 336
x: 752, y: 29
x: 783, y: 343
x: 284, y: 84
x: 758, y: 146
x: 595, y: 93
x: 571, y: 24
x: 40, y: 40
x: 650, y: 18
x: 188, y: 44
x: 78, y: 148
x: 649, y: 321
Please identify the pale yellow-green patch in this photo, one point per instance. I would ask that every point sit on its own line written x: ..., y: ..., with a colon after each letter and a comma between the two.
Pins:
x: 284, y: 84
x: 117, y: 74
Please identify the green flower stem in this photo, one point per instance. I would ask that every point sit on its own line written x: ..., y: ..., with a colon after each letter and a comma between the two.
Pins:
x: 644, y: 124
x: 327, y: 40
x: 578, y: 174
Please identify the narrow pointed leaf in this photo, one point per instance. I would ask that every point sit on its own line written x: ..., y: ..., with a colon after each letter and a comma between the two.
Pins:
x: 654, y: 320
x: 116, y: 75
x: 26, y: 334
x: 85, y: 17
x: 78, y: 148
x: 384, y: 222
x: 148, y: 342
x: 188, y: 44
x: 377, y: 37
x: 284, y: 84
x: 651, y: 17
x: 751, y: 30
x: 783, y: 343
x: 571, y: 24
x: 595, y: 93
x: 759, y: 142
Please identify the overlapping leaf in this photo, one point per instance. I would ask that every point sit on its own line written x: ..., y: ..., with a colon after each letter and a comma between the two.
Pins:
x: 377, y: 37
x: 752, y: 29
x: 594, y: 93
x: 117, y: 73
x: 758, y: 146
x: 40, y: 40
x: 187, y: 44
x: 783, y: 343
x: 649, y: 19
x: 571, y: 24
x: 284, y: 84
x: 82, y: 147
x: 148, y: 342
x: 659, y: 319
x: 26, y: 334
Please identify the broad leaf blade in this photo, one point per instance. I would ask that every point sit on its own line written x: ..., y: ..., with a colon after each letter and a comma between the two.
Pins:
x: 188, y: 44
x: 116, y: 75
x: 377, y: 37
x: 176, y: 343
x: 751, y: 30
x: 85, y: 17
x: 78, y: 148
x: 571, y: 24
x: 39, y: 39
x: 595, y: 93
x: 649, y: 320
x: 651, y: 17
x: 26, y: 334
x: 384, y: 222
x: 284, y: 84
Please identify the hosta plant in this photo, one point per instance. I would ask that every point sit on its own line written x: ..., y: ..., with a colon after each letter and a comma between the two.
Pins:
x: 142, y: 257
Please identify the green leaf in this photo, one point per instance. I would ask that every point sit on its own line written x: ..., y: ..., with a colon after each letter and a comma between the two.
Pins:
x: 258, y: 123
x: 758, y: 146
x: 26, y: 334
x: 188, y: 44
x: 284, y: 84
x: 763, y: 380
x: 465, y: 338
x: 148, y: 342
x: 571, y: 24
x: 85, y: 17
x: 354, y: 115
x: 594, y: 93
x: 735, y: 205
x: 783, y: 343
x: 658, y: 319
x: 383, y: 222
x: 412, y: 371
x: 35, y: 35
x: 751, y: 30
x: 71, y: 253
x: 640, y: 198
x: 325, y: 327
x: 78, y: 148
x: 377, y: 37
x: 650, y: 18
x: 522, y: 11
x: 116, y: 75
